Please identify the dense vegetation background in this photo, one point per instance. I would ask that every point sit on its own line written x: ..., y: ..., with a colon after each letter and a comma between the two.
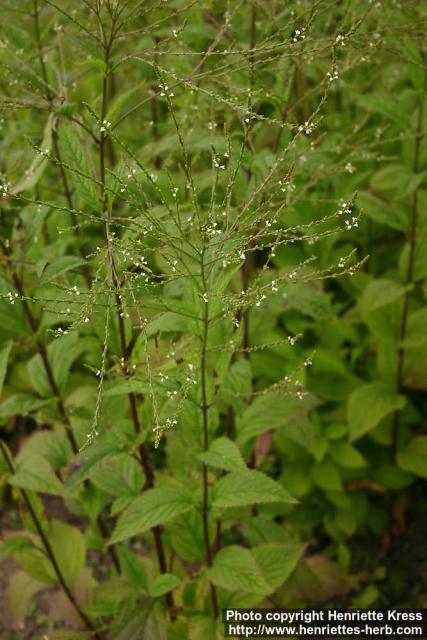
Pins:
x: 213, y: 320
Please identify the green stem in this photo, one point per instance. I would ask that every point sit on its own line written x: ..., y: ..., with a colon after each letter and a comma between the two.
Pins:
x: 205, y: 417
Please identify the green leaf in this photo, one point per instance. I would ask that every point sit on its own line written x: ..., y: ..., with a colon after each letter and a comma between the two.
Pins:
x: 272, y: 411
x: 187, y: 539
x: 36, y: 474
x: 163, y: 584
x: 368, y: 405
x: 53, y: 447
x: 36, y: 565
x: 60, y: 266
x: 390, y: 178
x: 133, y: 568
x: 414, y: 457
x: 327, y: 476
x: 74, y: 155
x: 120, y: 475
x: 391, y: 477
x: 382, y: 211
x: 390, y: 109
x: 381, y: 292
x: 62, y: 352
x: 240, y: 488
x: 86, y: 460
x: 69, y: 548
x: 223, y: 453
x: 37, y: 166
x: 155, y: 507
x: 4, y: 357
x: 235, y: 569
x: 277, y: 561
x: 346, y: 455
x: 20, y: 404
x: 144, y: 623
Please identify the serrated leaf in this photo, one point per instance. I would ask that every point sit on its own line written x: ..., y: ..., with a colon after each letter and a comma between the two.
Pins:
x: 69, y: 547
x: 20, y: 404
x: 240, y: 488
x: 120, y: 475
x: 163, y: 584
x: 368, y: 405
x: 223, y: 453
x: 277, y: 561
x: 36, y: 474
x: 414, y: 457
x: 235, y: 569
x: 272, y: 411
x: 155, y: 507
x: 74, y: 154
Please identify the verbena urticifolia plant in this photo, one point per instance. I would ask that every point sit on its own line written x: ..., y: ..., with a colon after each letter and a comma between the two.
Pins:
x: 170, y: 193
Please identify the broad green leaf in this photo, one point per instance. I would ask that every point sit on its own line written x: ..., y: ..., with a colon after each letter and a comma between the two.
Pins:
x: 240, y: 488
x: 163, y: 584
x: 4, y: 357
x: 132, y: 567
x: 62, y: 352
x: 69, y: 547
x: 327, y: 476
x: 223, y: 453
x: 74, y: 154
x: 37, y: 166
x: 36, y: 474
x: 154, y: 507
x: 61, y: 265
x: 169, y: 321
x: 390, y: 109
x: 20, y: 404
x: 146, y: 622
x: 187, y: 539
x: 120, y: 475
x: 272, y: 411
x: 414, y: 457
x: 309, y: 299
x: 86, y: 460
x: 277, y: 561
x: 35, y: 565
x: 381, y: 292
x: 382, y: 211
x: 346, y: 455
x: 390, y: 178
x: 368, y: 405
x: 235, y: 569
x: 392, y: 477
x: 53, y: 447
